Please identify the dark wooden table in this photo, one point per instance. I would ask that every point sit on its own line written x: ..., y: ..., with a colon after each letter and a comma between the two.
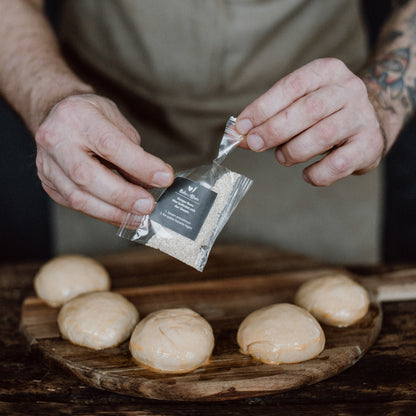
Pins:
x: 381, y: 383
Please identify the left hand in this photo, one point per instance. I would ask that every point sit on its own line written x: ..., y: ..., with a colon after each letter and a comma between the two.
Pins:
x: 321, y: 108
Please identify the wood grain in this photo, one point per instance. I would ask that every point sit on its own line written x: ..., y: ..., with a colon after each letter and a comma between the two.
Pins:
x: 229, y: 375
x: 381, y: 383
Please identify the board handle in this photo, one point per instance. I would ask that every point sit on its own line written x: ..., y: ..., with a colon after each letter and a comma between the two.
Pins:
x: 394, y: 286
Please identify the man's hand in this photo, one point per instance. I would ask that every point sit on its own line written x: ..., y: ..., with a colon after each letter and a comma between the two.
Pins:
x: 80, y: 138
x: 319, y: 109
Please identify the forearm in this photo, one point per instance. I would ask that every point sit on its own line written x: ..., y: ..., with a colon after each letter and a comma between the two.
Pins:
x: 391, y: 75
x: 33, y: 74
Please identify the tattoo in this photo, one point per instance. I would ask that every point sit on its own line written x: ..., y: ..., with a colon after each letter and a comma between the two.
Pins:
x: 411, y: 92
x: 386, y: 77
x: 391, y: 36
x: 391, y: 79
x: 394, y: 34
x: 412, y: 25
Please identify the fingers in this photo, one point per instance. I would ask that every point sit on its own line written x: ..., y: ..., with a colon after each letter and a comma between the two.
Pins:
x: 318, y: 139
x: 321, y: 108
x: 79, y: 143
x: 112, y: 113
x: 352, y: 157
x: 91, y: 122
x: 288, y: 90
x: 90, y: 176
x: 301, y: 115
x: 66, y: 193
x: 112, y: 145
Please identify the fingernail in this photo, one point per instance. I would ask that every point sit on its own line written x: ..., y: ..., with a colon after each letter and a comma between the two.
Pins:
x: 255, y: 142
x: 280, y: 157
x: 143, y: 205
x: 244, y: 126
x: 305, y: 178
x: 162, y: 179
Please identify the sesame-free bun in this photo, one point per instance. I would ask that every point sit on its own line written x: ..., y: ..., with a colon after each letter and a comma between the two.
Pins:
x: 97, y: 320
x: 281, y: 334
x: 172, y: 341
x: 335, y: 300
x: 67, y: 276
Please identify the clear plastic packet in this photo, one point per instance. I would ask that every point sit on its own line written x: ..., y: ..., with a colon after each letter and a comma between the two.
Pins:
x: 189, y: 215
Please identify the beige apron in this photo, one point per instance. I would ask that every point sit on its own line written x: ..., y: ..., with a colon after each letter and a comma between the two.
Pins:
x: 179, y: 68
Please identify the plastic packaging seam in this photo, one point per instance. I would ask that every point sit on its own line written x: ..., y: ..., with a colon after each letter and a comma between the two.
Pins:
x: 241, y: 186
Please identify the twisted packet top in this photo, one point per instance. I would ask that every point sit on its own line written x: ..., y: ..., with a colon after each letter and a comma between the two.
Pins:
x: 190, y: 214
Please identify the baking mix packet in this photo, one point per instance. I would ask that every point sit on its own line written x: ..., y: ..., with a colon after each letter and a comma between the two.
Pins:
x: 189, y: 215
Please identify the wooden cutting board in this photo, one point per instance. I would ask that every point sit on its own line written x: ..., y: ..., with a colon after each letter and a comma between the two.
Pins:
x: 224, y: 303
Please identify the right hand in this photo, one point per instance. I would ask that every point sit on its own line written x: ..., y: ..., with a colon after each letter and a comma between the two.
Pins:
x: 82, y: 139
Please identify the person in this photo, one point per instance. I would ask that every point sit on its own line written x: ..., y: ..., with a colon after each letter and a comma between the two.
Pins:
x: 186, y: 66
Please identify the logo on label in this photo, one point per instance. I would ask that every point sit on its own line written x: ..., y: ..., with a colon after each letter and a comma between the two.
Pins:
x: 183, y: 207
x: 190, y: 193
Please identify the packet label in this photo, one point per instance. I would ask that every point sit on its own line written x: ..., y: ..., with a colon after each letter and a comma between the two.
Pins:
x: 183, y: 207
x: 190, y: 214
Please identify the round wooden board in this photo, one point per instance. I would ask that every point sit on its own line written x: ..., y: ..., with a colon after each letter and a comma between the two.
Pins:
x: 229, y: 375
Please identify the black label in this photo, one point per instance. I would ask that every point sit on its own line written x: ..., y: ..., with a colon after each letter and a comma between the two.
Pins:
x: 183, y: 207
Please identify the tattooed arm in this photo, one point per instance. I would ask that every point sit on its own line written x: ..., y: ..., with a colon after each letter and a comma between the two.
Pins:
x: 391, y: 75
x: 323, y: 109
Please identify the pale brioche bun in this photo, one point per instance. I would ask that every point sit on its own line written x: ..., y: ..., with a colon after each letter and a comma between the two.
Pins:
x: 172, y: 341
x: 335, y: 300
x: 64, y: 277
x: 281, y: 334
x: 97, y: 320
